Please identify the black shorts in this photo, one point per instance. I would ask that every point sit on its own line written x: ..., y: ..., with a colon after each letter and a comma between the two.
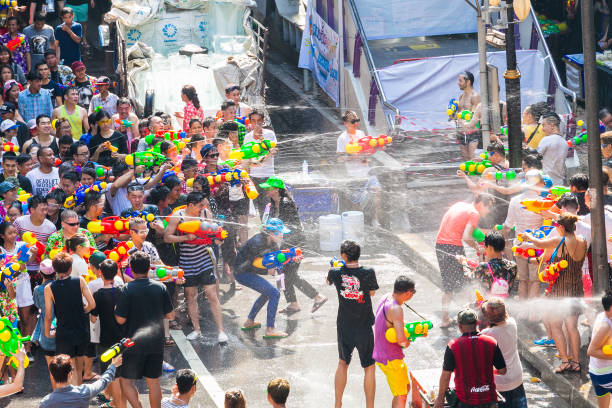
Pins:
x: 465, y: 139
x: 203, y: 279
x: 171, y: 286
x: 240, y: 207
x: 451, y: 270
x: 73, y: 350
x: 138, y: 365
x: 360, y: 338
x: 49, y: 353
x: 90, y: 351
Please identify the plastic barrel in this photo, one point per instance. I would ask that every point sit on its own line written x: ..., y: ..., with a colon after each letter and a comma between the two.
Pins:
x: 330, y: 232
x: 353, y: 226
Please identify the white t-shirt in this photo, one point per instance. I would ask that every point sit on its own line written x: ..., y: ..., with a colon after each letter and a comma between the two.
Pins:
x: 599, y: 366
x: 119, y: 201
x: 506, y: 336
x: 42, y: 182
x: 79, y: 266
x: 23, y: 290
x: 554, y: 149
x: 266, y: 168
x: 355, y: 164
x: 42, y: 231
x: 520, y: 217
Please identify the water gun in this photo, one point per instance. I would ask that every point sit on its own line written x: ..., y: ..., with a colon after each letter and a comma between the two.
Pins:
x: 559, y: 190
x: 551, y: 274
x: 503, y: 131
x: 116, y: 349
x: 170, y: 136
x: 607, y: 350
x: 475, y: 168
x: 485, y: 155
x: 538, y: 205
x: 11, y: 341
x: 465, y: 115
x: 452, y: 108
x: 91, y: 276
x: 123, y: 122
x: 147, y: 159
x: 478, y: 235
x: 145, y: 215
x: 166, y: 273
x: 500, y: 175
x: 368, y: 145
x: 5, y: 4
x: 411, y: 331
x: 10, y: 147
x: 479, y: 298
x: 226, y: 176
x: 278, y: 259
x: 22, y: 196
x: 120, y: 252
x: 9, y: 271
x: 540, y: 233
x: 252, y: 150
x: 178, y: 144
x: 243, y: 120
x: 205, y: 231
x: 104, y: 172
x: 468, y: 263
x: 336, y: 263
x: 15, y: 43
x: 527, y: 252
x: 110, y: 146
x: 112, y: 225
x: 250, y: 190
x: 79, y: 195
x: 577, y: 140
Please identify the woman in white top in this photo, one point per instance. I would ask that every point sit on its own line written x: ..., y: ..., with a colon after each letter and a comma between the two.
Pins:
x: 503, y: 329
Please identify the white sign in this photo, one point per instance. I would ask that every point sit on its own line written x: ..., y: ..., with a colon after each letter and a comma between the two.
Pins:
x: 320, y: 53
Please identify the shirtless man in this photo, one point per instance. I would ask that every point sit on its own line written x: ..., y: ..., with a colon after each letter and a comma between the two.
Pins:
x: 467, y: 135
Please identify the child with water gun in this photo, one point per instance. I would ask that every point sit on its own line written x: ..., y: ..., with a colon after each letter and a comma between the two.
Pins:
x: 497, y: 275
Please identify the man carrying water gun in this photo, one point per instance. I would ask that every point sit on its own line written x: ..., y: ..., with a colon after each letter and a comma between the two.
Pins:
x: 389, y: 356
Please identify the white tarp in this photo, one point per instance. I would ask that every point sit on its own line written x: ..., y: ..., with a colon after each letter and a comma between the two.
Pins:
x: 421, y: 89
x: 320, y: 52
x: 415, y: 18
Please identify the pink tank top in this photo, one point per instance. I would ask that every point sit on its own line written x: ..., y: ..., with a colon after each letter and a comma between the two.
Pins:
x: 383, y: 350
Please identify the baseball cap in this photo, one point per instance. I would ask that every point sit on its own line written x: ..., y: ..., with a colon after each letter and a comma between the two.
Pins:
x: 272, y: 182
x: 467, y: 316
x: 276, y: 225
x: 31, y: 123
x: 46, y: 267
x: 103, y: 80
x: 76, y: 65
x: 6, y: 186
x: 7, y: 107
x: 7, y: 125
x: 97, y: 258
x: 533, y: 177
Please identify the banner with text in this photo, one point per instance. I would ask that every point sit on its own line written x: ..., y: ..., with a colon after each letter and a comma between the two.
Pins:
x: 320, y: 53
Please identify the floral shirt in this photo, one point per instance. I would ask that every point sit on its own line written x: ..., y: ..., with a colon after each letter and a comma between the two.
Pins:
x: 57, y: 241
x: 501, y: 268
x: 8, y: 307
x: 19, y: 55
x: 190, y: 112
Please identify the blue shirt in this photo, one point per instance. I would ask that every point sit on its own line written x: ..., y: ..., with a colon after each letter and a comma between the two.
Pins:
x: 69, y: 50
x: 31, y: 105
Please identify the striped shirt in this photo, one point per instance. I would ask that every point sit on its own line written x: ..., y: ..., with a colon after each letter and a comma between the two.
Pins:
x: 43, y: 231
x: 194, y: 259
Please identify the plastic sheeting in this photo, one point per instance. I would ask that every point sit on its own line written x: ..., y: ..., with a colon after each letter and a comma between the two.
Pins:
x: 421, y: 89
x: 414, y: 18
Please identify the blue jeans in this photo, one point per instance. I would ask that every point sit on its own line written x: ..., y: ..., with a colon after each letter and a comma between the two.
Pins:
x: 268, y: 294
x: 515, y: 398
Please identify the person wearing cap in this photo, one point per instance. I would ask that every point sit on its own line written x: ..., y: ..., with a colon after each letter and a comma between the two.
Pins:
x: 7, y: 111
x: 86, y: 85
x: 106, y: 99
x: 34, y: 101
x: 520, y: 219
x: 70, y: 111
x: 68, y: 36
x: 40, y: 36
x: 262, y: 168
x: 46, y: 343
x: 284, y: 208
x: 43, y: 137
x: 8, y: 128
x: 232, y: 92
x: 472, y: 358
x: 10, y: 172
x: 247, y: 274
x: 55, y: 89
x: 8, y: 193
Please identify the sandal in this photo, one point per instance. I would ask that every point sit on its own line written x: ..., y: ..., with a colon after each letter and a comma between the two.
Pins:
x: 575, y: 366
x: 318, y: 304
x: 289, y: 311
x: 174, y: 325
x: 169, y: 342
x: 565, y: 366
x: 255, y: 325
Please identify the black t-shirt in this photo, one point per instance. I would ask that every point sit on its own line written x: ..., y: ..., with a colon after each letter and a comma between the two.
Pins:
x: 55, y: 90
x: 254, y: 248
x: 353, y: 286
x: 110, y: 331
x: 144, y: 303
x: 117, y: 139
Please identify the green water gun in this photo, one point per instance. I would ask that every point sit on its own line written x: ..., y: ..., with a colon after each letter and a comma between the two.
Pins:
x: 11, y: 341
x: 147, y: 159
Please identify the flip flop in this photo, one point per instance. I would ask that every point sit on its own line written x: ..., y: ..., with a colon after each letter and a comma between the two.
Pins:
x: 257, y: 325
x: 317, y: 305
x: 275, y: 336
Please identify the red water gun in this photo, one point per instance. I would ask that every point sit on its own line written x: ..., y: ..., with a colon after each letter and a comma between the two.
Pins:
x: 15, y: 43
x: 205, y: 231
x: 113, y: 225
x: 368, y: 145
x: 527, y: 252
x: 10, y: 147
x: 120, y: 252
x: 551, y: 274
x: 30, y: 239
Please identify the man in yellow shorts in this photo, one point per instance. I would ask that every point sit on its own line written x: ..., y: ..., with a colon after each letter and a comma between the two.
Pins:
x: 389, y: 356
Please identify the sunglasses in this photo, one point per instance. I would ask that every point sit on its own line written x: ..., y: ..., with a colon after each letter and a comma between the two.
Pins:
x: 72, y: 224
x: 353, y: 121
x: 214, y: 155
x: 104, y: 121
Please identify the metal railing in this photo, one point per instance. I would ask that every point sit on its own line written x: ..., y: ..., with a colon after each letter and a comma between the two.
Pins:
x: 393, y: 120
x: 260, y: 40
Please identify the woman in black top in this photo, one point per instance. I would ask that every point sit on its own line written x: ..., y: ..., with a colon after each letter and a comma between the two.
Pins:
x: 282, y: 206
x: 101, y: 153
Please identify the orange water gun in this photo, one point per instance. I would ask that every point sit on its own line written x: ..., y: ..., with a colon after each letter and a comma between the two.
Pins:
x: 538, y: 205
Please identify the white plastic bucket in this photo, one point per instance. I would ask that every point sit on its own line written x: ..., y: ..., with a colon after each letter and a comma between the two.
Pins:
x: 353, y: 226
x: 330, y: 232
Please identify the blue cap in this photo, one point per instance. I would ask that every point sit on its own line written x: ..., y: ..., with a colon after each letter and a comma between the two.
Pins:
x: 276, y: 224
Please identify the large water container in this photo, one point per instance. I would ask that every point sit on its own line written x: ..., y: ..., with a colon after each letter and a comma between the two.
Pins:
x: 353, y: 226
x: 330, y: 232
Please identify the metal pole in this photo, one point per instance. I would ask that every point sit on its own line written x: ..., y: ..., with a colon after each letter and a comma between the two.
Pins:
x: 598, y: 228
x: 513, y: 94
x: 485, y: 105
x: 341, y: 53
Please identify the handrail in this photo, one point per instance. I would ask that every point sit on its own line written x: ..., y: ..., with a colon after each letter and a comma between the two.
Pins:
x: 553, y: 67
x: 368, y: 56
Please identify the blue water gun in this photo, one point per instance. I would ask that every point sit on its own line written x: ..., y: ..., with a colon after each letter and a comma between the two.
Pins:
x: 336, y: 263
x: 79, y: 195
x: 278, y: 259
x: 452, y: 108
